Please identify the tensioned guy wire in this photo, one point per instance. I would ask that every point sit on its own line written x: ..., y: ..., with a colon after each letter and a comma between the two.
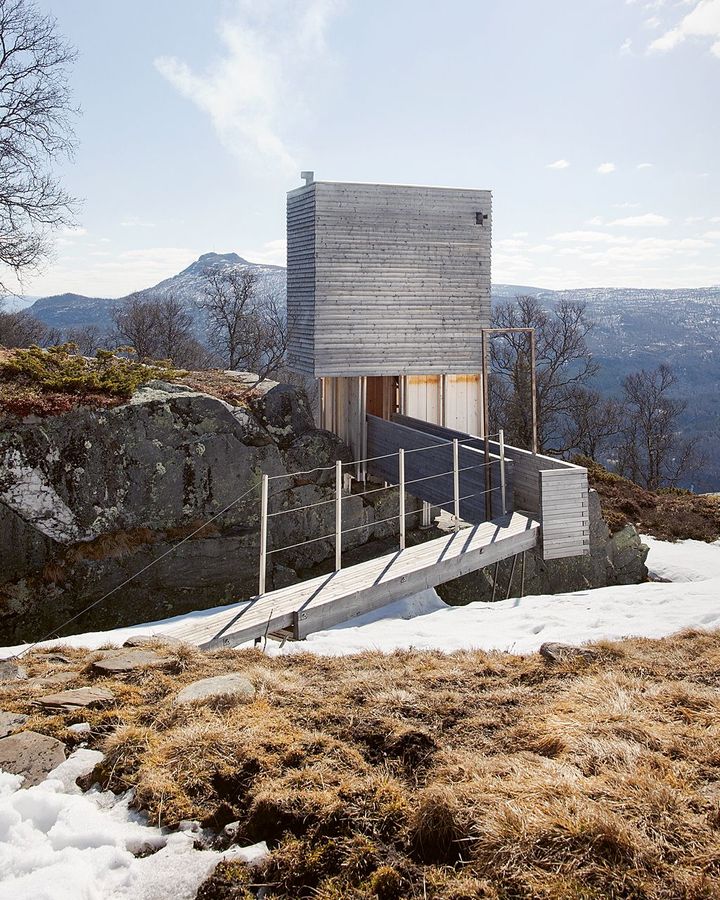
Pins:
x: 54, y: 632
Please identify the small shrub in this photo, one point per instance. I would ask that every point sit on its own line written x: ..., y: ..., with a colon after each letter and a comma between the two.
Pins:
x: 434, y: 826
x: 386, y: 884
x: 60, y: 370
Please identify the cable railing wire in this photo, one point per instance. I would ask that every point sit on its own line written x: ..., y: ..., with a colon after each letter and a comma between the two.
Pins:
x: 54, y: 632
x: 388, y: 487
x: 332, y: 534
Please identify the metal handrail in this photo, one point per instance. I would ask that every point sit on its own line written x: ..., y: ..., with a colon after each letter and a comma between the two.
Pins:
x: 402, y: 485
x: 387, y: 487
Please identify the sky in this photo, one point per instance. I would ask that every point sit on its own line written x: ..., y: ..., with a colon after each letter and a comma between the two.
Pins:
x: 596, y: 125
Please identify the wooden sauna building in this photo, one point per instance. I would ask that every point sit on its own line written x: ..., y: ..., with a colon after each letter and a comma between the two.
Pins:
x: 388, y: 292
x: 389, y: 307
x: 388, y: 298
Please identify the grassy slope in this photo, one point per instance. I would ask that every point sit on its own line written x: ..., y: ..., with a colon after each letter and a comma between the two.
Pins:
x: 424, y: 775
x: 670, y: 514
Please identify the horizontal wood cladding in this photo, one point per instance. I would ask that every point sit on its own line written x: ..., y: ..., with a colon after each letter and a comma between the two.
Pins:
x: 387, y: 279
x: 564, y: 512
x: 301, y: 280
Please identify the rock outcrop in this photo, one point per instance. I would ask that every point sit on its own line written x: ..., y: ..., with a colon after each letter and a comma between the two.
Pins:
x: 614, y: 559
x: 90, y: 497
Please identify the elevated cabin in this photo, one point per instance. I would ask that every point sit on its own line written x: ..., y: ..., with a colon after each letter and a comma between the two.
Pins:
x: 388, y: 297
x: 388, y: 293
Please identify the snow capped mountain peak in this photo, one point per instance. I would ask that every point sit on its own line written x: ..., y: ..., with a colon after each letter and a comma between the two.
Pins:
x: 214, y: 261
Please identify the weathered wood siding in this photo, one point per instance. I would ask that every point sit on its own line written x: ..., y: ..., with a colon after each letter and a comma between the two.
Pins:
x: 552, y: 490
x: 564, y: 512
x: 301, y: 279
x: 385, y: 438
x: 401, y: 279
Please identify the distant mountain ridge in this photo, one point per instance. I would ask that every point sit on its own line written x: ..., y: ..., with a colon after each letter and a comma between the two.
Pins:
x: 635, y: 328
x: 77, y: 310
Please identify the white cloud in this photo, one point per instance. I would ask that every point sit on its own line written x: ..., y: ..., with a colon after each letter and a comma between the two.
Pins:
x: 626, y: 205
x: 522, y: 234
x: 558, y: 164
x: 271, y: 253
x: 712, y: 235
x: 585, y: 237
x: 645, y: 165
x: 693, y: 220
x: 136, y: 222
x: 701, y: 22
x: 626, y: 46
x: 648, y: 219
x: 249, y: 91
x: 68, y: 233
x: 714, y: 219
x: 510, y: 244
x: 596, y: 220
x: 606, y: 168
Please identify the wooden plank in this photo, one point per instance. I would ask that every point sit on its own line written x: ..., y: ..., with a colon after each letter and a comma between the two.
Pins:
x: 365, y: 586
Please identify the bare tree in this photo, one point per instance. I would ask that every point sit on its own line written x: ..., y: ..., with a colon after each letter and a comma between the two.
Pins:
x: 135, y: 320
x: 652, y: 451
x: 564, y: 364
x: 593, y: 423
x: 21, y: 329
x: 87, y: 339
x: 159, y: 327
x: 35, y: 116
x: 246, y: 323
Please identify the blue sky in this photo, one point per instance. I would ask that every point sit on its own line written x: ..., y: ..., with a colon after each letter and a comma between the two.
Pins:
x: 595, y: 124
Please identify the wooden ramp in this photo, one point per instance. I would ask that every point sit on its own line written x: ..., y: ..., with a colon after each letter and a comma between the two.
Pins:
x: 330, y: 599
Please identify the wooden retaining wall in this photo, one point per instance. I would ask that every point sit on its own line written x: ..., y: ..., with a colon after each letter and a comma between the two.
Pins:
x: 386, y: 437
x: 564, y: 512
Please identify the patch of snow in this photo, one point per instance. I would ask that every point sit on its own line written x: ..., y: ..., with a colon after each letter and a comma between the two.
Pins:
x: 522, y: 625
x: 57, y: 843
x: 683, y: 560
x: 517, y: 625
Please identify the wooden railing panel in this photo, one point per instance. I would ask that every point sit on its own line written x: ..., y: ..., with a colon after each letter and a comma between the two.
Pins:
x: 386, y: 437
x: 564, y: 512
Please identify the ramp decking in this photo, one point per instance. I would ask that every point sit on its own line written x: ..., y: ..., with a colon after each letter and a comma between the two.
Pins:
x: 330, y: 599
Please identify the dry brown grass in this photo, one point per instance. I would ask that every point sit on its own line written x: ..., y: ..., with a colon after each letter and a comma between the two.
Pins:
x: 424, y: 775
x: 670, y: 514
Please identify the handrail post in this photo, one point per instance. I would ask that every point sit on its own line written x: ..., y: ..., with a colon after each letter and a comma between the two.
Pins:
x: 401, y: 485
x: 501, y: 441
x: 533, y: 390
x: 456, y: 482
x: 338, y: 515
x: 263, y: 533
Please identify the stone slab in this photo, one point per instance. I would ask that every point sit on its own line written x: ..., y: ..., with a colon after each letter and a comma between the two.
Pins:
x: 11, y: 671
x: 116, y: 662
x: 31, y: 754
x: 80, y: 698
x: 233, y: 685
x: 555, y: 652
x: 142, y: 639
x: 10, y: 722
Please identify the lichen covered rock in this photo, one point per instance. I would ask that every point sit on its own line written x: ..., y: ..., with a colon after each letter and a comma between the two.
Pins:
x: 93, y: 496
